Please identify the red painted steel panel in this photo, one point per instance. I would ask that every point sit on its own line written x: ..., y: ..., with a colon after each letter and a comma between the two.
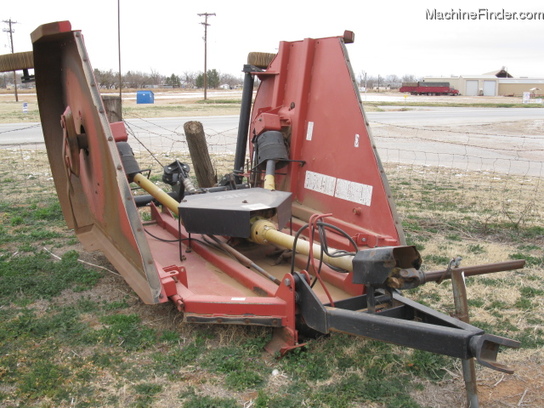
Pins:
x: 94, y: 193
x: 311, y: 87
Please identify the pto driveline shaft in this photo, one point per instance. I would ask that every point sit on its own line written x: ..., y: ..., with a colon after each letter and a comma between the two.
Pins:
x: 265, y: 232
x: 161, y: 196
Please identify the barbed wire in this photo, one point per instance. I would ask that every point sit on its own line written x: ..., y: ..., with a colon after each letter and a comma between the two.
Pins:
x: 376, y: 134
x: 469, y: 155
x: 440, y: 129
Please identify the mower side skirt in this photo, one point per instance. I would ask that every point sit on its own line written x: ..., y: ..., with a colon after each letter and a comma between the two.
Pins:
x: 92, y: 187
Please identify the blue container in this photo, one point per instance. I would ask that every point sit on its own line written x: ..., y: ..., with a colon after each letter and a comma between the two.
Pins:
x: 145, y: 97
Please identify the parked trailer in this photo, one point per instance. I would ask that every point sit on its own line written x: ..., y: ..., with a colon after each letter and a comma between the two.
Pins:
x: 428, y: 88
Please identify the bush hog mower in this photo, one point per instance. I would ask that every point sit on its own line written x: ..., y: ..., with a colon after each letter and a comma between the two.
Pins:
x: 302, y: 237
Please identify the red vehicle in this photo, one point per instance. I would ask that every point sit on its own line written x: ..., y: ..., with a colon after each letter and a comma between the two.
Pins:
x: 428, y: 88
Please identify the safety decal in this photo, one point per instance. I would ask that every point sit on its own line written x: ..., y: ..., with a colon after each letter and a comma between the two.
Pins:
x: 336, y: 187
x: 310, y: 131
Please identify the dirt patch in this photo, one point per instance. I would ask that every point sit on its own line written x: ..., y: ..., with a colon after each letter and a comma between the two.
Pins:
x: 524, y: 388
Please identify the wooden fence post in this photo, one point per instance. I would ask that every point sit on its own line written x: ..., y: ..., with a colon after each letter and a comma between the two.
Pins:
x: 198, y: 148
x: 112, y: 104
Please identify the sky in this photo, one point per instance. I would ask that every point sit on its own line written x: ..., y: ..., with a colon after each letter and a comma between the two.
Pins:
x: 401, y: 38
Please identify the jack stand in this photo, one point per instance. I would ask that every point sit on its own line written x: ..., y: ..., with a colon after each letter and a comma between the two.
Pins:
x: 461, y: 311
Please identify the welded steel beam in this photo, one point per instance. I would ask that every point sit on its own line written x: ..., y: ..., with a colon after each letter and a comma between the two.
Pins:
x: 414, y: 325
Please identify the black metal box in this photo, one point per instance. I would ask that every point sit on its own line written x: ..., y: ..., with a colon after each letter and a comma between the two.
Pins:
x: 229, y: 213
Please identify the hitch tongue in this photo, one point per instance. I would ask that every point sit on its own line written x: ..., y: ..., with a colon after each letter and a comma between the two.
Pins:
x: 485, y: 348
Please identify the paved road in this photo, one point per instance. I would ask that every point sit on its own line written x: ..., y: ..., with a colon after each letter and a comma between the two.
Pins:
x: 443, y: 116
x: 147, y: 129
x: 492, y: 152
x: 470, y: 146
x: 167, y: 133
x: 23, y: 133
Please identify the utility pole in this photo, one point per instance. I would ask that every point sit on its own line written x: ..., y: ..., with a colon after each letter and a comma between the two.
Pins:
x: 119, y: 49
x: 11, y: 31
x: 205, y: 24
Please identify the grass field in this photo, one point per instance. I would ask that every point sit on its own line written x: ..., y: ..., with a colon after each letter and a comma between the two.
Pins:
x: 171, y: 104
x: 12, y: 112
x: 72, y: 333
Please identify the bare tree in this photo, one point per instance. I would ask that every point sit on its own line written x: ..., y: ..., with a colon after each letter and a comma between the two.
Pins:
x: 4, y: 80
x: 134, y: 79
x: 230, y: 80
x: 107, y: 79
x: 410, y: 78
x: 155, y: 78
x: 392, y: 81
x: 188, y: 79
x: 371, y: 82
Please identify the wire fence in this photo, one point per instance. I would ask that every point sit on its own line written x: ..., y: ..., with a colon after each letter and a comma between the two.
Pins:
x: 491, y: 173
x: 156, y: 146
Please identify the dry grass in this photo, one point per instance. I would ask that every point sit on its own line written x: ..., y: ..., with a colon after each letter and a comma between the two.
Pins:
x: 482, y: 217
x: 477, y: 228
x: 168, y: 103
x: 12, y: 111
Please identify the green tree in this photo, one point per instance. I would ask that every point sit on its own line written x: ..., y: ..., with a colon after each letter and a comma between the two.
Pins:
x: 173, y: 80
x: 212, y: 77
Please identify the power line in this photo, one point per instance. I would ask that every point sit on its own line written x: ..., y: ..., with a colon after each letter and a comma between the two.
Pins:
x: 10, y: 30
x: 205, y: 24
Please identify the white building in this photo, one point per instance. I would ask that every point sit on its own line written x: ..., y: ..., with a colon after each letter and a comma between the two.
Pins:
x: 496, y: 83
